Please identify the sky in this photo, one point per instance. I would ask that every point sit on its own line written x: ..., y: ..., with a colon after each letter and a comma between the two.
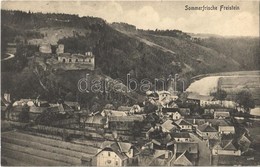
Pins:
x: 158, y: 14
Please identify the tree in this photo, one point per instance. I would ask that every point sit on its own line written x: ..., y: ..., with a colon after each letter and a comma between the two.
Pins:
x: 245, y: 100
x: 219, y: 95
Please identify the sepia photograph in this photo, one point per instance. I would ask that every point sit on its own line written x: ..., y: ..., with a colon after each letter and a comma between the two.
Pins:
x: 130, y: 83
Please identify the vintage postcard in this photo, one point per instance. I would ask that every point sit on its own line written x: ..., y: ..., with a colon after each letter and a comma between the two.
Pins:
x: 130, y: 83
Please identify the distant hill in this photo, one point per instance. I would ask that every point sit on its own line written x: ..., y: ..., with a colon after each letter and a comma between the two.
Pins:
x: 120, y: 48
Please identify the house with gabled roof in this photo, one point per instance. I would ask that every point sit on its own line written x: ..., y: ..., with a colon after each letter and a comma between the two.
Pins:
x: 181, y: 137
x: 168, y: 126
x: 221, y: 115
x: 116, y: 154
x: 96, y: 120
x: 154, y: 157
x: 182, y: 160
x: 206, y: 131
x: 183, y: 125
x: 244, y: 142
x: 226, y: 147
x: 224, y: 126
x: 191, y: 147
x: 199, y: 99
x: 163, y: 143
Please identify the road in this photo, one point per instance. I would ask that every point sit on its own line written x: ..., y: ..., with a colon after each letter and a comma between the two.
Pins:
x: 9, y: 57
x: 204, y: 151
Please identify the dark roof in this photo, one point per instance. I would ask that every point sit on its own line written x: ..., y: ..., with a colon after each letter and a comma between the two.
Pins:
x: 183, y: 160
x: 196, y: 121
x: 212, y: 143
x: 181, y: 135
x: 228, y: 145
x: 153, y: 94
x: 120, y: 148
x: 129, y: 118
x: 170, y: 109
x: 168, y: 125
x: 219, y: 122
x: 190, y: 147
x: 206, y: 128
x: 182, y: 122
x: 96, y: 119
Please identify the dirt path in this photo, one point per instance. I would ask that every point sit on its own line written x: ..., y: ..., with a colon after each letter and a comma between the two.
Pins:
x: 9, y: 57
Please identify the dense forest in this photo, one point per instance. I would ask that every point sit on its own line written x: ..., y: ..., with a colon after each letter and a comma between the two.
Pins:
x: 142, y: 53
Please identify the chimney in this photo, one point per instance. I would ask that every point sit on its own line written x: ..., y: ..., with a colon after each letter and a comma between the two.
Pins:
x: 194, y: 121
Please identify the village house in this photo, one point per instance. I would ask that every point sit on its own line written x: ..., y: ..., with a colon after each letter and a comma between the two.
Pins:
x: 123, y: 122
x: 163, y: 143
x: 181, y: 137
x: 116, y: 154
x: 226, y: 129
x: 172, y: 112
x: 109, y: 112
x: 22, y: 102
x: 135, y: 109
x: 176, y: 116
x: 88, y: 60
x: 206, y: 131
x: 163, y: 95
x: 224, y: 126
x: 219, y: 114
x: 196, y: 122
x: 96, y: 121
x: 168, y: 126
x: 183, y: 125
x: 244, y: 142
x: 201, y: 100
x: 226, y: 147
x: 154, y: 157
x: 191, y: 147
x: 126, y: 127
x: 182, y: 160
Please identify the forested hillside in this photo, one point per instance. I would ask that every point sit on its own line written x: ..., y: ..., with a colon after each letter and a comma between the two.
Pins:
x: 118, y: 49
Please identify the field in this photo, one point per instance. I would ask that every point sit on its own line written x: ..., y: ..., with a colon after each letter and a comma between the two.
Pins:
x: 232, y: 82
x: 28, y: 150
